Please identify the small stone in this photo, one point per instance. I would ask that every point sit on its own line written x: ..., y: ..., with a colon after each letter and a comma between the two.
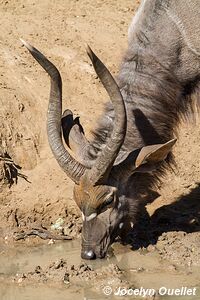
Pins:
x: 20, y: 280
x: 151, y: 248
x: 21, y: 107
x: 38, y: 270
x: 137, y: 270
x: 172, y: 268
x: 51, y: 241
x: 58, y: 224
x: 66, y: 278
x: 140, y: 269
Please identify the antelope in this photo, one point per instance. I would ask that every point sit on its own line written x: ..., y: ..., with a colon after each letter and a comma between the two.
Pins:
x: 132, y: 145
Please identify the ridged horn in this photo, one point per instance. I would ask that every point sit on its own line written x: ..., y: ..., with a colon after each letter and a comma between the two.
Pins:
x: 105, y: 160
x: 71, y: 167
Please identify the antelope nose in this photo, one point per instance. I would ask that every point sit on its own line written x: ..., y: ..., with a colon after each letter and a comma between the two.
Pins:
x: 88, y: 254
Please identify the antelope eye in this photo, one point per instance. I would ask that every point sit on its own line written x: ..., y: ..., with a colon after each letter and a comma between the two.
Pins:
x: 109, y: 200
x: 106, y: 203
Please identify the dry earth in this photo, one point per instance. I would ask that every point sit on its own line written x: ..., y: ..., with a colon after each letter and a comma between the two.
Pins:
x: 60, y: 29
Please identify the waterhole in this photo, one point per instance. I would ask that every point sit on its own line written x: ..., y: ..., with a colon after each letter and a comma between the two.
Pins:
x: 140, y: 269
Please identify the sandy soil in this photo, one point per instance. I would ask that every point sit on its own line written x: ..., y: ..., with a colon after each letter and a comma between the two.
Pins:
x: 60, y: 30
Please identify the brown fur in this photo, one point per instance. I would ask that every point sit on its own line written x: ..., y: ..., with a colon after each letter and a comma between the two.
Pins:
x: 157, y: 93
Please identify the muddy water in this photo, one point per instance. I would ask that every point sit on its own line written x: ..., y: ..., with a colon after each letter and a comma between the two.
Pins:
x: 23, y: 259
x: 141, y: 269
x: 14, y: 292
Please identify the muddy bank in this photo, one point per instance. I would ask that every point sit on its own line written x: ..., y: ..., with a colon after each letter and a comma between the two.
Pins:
x: 41, y: 266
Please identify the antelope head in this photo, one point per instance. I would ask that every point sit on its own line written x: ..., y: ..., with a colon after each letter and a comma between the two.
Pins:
x: 99, y: 187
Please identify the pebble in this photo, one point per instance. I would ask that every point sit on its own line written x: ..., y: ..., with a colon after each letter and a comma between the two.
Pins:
x: 51, y: 241
x: 151, y: 248
x: 66, y: 278
x: 172, y: 268
x: 20, y: 280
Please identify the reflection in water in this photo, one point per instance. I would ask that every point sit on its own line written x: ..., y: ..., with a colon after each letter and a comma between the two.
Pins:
x: 152, y: 272
x: 23, y: 259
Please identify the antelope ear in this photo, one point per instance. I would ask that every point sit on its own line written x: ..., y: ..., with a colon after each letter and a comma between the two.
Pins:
x: 72, y: 130
x: 149, y: 156
x: 73, y: 134
x: 143, y: 160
